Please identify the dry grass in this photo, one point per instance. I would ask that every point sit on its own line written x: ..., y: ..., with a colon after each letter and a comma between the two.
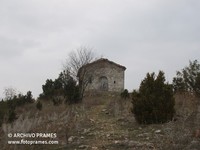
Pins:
x: 119, y: 107
x: 62, y: 120
x: 187, y: 110
x: 104, y: 120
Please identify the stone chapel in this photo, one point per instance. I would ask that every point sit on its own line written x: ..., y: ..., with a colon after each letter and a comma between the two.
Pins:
x: 103, y: 75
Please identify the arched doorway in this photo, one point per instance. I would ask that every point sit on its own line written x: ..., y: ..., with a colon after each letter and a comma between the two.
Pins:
x: 103, y: 81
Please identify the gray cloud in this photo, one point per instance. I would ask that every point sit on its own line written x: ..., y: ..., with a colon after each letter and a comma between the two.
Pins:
x: 36, y: 37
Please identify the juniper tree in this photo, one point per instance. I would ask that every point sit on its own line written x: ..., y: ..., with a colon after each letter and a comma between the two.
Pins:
x: 153, y: 102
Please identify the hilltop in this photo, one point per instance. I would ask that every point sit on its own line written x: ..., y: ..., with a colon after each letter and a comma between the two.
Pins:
x: 105, y: 121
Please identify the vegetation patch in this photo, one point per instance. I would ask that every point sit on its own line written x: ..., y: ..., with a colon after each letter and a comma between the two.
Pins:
x: 154, y: 102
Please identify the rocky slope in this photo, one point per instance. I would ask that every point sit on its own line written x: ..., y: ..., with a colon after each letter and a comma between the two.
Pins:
x: 103, y: 122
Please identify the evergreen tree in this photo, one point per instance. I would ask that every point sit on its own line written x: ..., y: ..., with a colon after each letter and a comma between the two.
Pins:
x: 64, y: 86
x: 48, y: 88
x: 125, y: 94
x: 72, y: 91
x: 188, y: 79
x: 39, y: 105
x: 11, y: 116
x: 154, y: 102
x: 29, y: 97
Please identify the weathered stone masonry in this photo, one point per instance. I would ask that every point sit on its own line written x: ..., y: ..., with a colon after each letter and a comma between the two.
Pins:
x: 105, y: 75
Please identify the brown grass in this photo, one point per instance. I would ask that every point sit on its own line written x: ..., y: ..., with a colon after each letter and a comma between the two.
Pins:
x: 104, y: 121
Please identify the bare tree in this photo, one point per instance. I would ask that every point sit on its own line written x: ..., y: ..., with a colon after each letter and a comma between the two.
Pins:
x: 9, y: 93
x: 74, y: 65
x: 78, y: 58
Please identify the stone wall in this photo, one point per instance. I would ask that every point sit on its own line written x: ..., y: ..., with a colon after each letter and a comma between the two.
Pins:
x: 110, y: 72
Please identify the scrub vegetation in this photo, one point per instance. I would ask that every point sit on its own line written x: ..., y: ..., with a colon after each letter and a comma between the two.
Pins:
x: 158, y: 115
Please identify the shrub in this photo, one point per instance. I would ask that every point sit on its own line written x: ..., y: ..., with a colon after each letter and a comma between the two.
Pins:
x: 29, y: 97
x: 64, y: 86
x: 48, y: 89
x: 39, y: 105
x: 3, y: 110
x: 188, y: 79
x: 11, y: 116
x: 8, y: 107
x: 154, y: 102
x: 20, y: 100
x: 56, y: 100
x: 1, y: 117
x: 125, y: 94
x: 72, y: 92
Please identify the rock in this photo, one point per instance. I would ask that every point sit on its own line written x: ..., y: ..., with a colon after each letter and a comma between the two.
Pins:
x: 134, y: 144
x: 95, y: 148
x: 86, y: 131
x: 143, y: 135
x: 140, y: 144
x: 92, y: 120
x: 116, y: 142
x: 71, y: 139
x: 103, y: 110
x: 92, y: 134
x: 83, y: 146
x: 158, y: 131
x: 121, y: 143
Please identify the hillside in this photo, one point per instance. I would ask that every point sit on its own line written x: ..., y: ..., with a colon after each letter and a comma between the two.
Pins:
x: 104, y: 121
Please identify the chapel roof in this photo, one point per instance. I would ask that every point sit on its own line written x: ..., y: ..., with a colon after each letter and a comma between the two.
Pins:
x: 100, y: 61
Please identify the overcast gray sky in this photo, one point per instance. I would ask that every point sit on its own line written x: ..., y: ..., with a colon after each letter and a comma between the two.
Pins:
x: 36, y: 36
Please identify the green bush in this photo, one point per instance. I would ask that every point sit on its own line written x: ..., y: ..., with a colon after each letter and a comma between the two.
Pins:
x: 188, y: 79
x: 72, y: 92
x: 7, y: 108
x: 64, y: 86
x: 57, y: 100
x: 154, y: 102
x: 1, y: 117
x: 3, y: 110
x: 39, y: 105
x: 20, y: 100
x: 11, y: 116
x: 125, y: 94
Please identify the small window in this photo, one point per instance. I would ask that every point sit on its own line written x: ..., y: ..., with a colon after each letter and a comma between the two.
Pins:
x: 90, y: 79
x: 114, y: 82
